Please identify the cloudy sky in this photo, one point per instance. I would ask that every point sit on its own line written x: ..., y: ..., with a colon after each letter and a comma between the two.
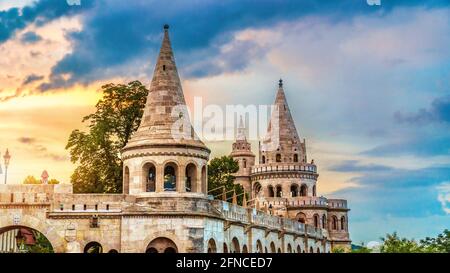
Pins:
x: 369, y: 86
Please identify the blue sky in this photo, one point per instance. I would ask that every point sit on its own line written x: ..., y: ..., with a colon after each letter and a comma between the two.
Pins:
x: 369, y: 86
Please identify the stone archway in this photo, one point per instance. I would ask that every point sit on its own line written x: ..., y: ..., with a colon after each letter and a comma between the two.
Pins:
x: 23, y: 239
x: 41, y: 225
x: 161, y: 245
x: 212, y: 248
x: 235, y: 247
x: 93, y: 248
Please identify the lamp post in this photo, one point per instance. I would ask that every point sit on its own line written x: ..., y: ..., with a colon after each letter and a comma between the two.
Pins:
x: 7, y: 158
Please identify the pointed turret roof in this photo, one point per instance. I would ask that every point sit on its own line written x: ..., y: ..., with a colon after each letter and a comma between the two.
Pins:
x: 241, y: 130
x: 281, y: 129
x: 165, y: 119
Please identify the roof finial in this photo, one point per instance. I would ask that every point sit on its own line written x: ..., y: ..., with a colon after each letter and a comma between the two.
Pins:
x: 280, y: 83
x: 166, y: 27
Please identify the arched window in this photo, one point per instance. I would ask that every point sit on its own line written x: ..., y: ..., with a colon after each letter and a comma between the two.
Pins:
x: 294, y: 190
x: 225, y: 248
x: 259, y: 247
x: 271, y: 192
x: 93, y: 247
x: 324, y: 221
x: 335, y: 222
x: 244, y: 249
x: 204, y: 188
x: 149, y: 171
x: 295, y: 157
x: 256, y: 188
x: 170, y: 177
x: 311, y: 250
x: 126, y: 181
x: 299, y: 250
x: 318, y: 250
x: 263, y: 159
x: 244, y: 163
x: 314, y: 190
x: 279, y: 250
x: 278, y: 157
x: 272, y: 248
x: 212, y: 246
x: 343, y: 223
x: 235, y: 248
x: 301, y: 217
x: 191, y: 178
x: 303, y: 190
x: 316, y: 221
x: 289, y: 248
x: 162, y: 245
x: 279, y: 191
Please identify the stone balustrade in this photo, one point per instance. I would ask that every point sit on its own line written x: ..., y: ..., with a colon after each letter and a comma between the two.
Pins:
x: 280, y: 167
x: 252, y: 216
x: 300, y: 201
x: 337, y: 203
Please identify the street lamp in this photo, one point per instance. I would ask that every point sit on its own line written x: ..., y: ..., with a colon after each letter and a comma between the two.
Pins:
x: 7, y: 158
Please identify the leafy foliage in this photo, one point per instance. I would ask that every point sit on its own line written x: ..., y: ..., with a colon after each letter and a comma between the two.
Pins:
x: 362, y: 249
x: 118, y: 115
x: 440, y: 244
x: 338, y: 250
x: 42, y: 244
x: 31, y: 180
x: 220, y: 174
x: 392, y: 243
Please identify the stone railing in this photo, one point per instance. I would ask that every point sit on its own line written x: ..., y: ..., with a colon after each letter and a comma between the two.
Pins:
x: 280, y: 167
x: 263, y: 219
x: 337, y: 203
x: 301, y: 201
x: 243, y: 215
x: 307, y: 201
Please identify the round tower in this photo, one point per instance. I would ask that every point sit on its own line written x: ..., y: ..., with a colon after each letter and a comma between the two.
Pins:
x: 165, y: 156
x: 243, y: 155
x: 283, y: 178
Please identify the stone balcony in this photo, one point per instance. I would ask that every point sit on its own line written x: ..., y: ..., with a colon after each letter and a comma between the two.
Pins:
x: 253, y: 217
x: 284, y: 167
x: 301, y: 202
x: 337, y: 204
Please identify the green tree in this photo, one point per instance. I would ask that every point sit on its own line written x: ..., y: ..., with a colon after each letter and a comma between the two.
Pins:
x: 392, y: 243
x: 31, y: 180
x: 361, y: 249
x: 440, y: 244
x: 96, y: 152
x: 220, y: 174
x: 53, y: 182
x: 338, y: 250
x: 42, y: 244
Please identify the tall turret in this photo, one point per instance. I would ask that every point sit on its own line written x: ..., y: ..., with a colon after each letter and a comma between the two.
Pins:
x: 164, y: 154
x: 281, y: 143
x: 242, y: 153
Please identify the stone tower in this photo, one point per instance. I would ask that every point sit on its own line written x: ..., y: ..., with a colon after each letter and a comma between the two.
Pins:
x: 282, y: 174
x: 281, y: 143
x: 242, y: 153
x: 165, y: 155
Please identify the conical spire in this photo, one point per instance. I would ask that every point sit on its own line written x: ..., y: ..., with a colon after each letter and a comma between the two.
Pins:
x: 282, y: 136
x: 165, y: 119
x: 241, y: 130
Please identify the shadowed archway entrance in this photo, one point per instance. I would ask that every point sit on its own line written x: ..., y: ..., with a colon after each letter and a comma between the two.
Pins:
x: 93, y: 248
x: 22, y: 239
x: 162, y: 245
